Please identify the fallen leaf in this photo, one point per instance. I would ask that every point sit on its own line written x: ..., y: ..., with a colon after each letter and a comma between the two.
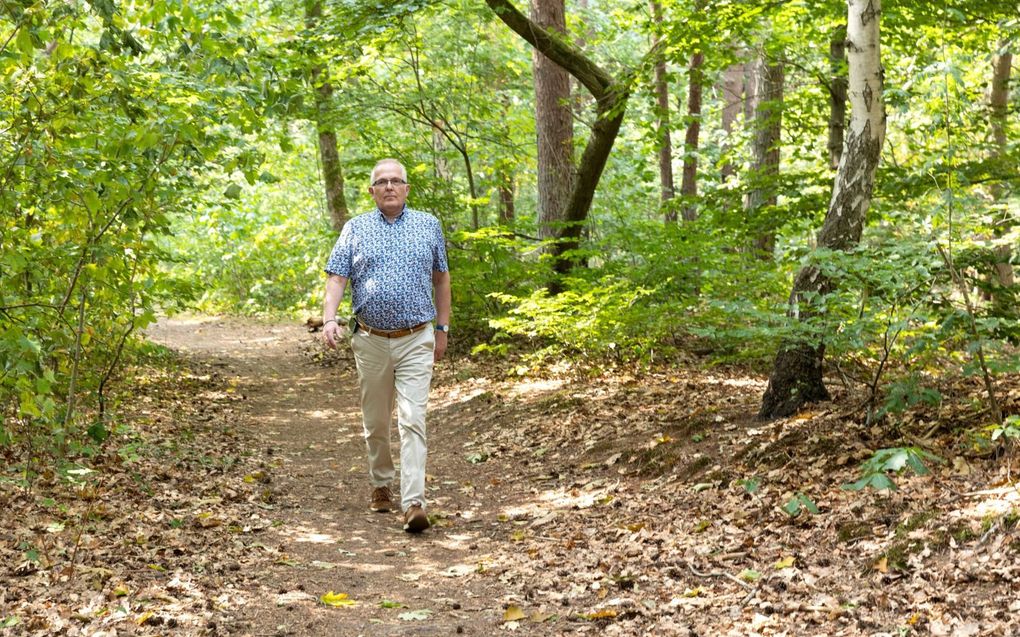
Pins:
x: 882, y: 565
x: 323, y: 565
x: 337, y: 600
x: 514, y: 613
x: 602, y: 614
x: 749, y: 575
x: 415, y: 615
x: 293, y: 597
x: 786, y: 562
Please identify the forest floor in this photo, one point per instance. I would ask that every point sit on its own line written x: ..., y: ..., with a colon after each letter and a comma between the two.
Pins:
x: 235, y: 503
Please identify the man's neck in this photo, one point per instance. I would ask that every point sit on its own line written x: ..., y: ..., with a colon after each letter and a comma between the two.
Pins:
x: 392, y: 215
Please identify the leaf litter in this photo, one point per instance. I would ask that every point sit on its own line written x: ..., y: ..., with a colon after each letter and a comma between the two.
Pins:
x: 626, y: 504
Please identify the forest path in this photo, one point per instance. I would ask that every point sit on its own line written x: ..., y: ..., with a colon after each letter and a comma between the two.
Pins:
x: 307, y: 417
x: 621, y: 504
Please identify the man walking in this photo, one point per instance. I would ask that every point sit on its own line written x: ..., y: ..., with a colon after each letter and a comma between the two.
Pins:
x: 395, y: 259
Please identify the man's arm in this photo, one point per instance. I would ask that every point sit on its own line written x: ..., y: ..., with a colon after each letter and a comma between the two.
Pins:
x: 335, y: 286
x: 441, y: 286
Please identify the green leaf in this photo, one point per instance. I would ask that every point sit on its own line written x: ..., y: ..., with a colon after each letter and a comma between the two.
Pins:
x: 98, y: 432
x: 386, y: 603
x: 751, y: 484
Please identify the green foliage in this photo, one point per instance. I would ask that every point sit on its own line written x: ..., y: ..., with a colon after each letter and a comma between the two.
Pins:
x: 750, y: 485
x: 893, y: 460
x: 262, y: 249
x: 799, y: 503
x: 585, y: 320
x: 102, y: 131
x: 1009, y: 429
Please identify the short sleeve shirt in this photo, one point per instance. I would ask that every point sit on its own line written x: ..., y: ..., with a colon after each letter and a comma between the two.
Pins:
x: 390, y: 266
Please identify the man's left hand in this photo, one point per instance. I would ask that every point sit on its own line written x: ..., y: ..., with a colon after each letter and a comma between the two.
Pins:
x: 440, y: 349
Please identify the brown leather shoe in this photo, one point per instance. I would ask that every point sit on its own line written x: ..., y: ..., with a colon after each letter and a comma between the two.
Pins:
x: 382, y: 500
x: 415, y: 520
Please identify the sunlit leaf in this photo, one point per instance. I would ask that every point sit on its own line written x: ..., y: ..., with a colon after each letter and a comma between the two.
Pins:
x: 337, y: 600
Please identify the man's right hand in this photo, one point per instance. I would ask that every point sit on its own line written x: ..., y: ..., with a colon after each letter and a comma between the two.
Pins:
x: 331, y: 333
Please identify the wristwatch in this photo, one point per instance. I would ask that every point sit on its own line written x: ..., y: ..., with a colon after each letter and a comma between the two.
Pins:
x: 442, y: 328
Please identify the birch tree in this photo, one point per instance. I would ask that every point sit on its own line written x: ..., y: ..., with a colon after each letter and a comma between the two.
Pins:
x: 796, y: 376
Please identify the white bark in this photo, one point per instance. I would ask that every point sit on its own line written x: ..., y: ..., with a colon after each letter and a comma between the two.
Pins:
x: 865, y: 134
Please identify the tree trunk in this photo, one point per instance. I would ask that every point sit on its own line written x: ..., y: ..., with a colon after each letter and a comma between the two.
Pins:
x: 439, y: 161
x: 768, y: 120
x: 998, y: 102
x: 666, y: 188
x: 332, y: 173
x: 553, y: 124
x: 611, y: 102
x: 506, y: 199
x: 733, y: 94
x: 796, y: 376
x: 837, y: 94
x: 689, y: 185
x: 751, y: 90
x: 333, y: 179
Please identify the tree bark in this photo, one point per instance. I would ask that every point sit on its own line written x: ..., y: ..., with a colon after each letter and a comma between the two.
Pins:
x: 332, y: 173
x: 666, y: 187
x: 751, y: 90
x: 442, y: 166
x: 733, y: 94
x: 553, y: 124
x: 998, y: 102
x: 506, y: 199
x: 796, y: 377
x: 768, y: 121
x: 689, y: 184
x: 837, y: 94
x: 610, y: 105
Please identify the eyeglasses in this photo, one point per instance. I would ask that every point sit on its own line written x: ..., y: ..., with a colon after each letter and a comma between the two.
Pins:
x: 382, y: 183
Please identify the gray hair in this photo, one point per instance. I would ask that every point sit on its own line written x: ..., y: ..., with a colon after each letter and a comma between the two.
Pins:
x: 388, y: 160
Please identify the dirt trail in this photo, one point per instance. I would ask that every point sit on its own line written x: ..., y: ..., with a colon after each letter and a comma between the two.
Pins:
x: 307, y: 417
x: 614, y: 505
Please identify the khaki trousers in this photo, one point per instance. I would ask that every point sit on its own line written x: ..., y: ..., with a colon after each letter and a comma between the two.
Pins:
x: 396, y: 371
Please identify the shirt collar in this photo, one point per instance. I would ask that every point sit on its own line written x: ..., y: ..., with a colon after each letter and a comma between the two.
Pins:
x: 398, y: 217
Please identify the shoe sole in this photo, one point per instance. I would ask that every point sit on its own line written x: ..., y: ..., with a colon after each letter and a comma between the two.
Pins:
x: 381, y: 509
x: 417, y: 524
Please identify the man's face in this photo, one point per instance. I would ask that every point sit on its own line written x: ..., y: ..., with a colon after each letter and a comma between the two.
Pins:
x: 388, y: 188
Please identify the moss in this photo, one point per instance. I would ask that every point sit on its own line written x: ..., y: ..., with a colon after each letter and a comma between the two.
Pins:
x: 695, y: 467
x: 853, y: 531
x: 914, y: 522
x: 721, y: 476
x: 899, y: 552
x: 561, y: 400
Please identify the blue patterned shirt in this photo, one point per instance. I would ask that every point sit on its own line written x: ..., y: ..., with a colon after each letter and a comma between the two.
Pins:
x: 390, y: 266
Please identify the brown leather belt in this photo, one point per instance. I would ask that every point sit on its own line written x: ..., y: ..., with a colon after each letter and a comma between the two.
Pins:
x: 391, y: 333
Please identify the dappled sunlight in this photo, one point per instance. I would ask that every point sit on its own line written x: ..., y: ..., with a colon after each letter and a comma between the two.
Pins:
x: 527, y: 387
x: 318, y: 414
x: 990, y: 504
x: 743, y: 383
x: 303, y: 534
